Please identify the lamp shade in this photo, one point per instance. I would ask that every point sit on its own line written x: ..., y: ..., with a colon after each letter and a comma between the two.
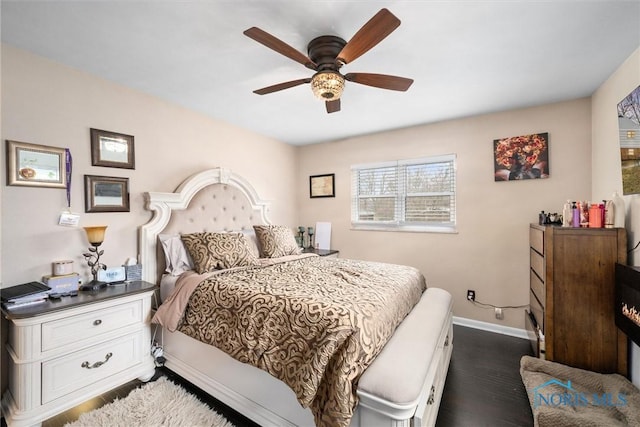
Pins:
x: 327, y: 85
x: 95, y: 234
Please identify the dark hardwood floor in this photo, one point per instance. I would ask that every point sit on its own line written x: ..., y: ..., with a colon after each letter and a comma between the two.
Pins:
x: 483, y: 386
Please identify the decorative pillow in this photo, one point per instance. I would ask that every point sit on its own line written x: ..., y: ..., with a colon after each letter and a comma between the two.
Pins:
x: 276, y: 241
x: 215, y: 251
x: 177, y: 259
x: 252, y: 241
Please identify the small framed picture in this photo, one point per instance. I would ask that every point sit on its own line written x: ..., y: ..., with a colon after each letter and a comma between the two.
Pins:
x: 322, y: 186
x: 106, y: 194
x: 111, y: 149
x: 34, y: 165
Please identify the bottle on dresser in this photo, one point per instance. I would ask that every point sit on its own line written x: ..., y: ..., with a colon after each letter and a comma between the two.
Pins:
x: 619, y: 211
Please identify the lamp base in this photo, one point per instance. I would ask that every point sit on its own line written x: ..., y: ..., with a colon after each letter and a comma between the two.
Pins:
x: 93, y: 285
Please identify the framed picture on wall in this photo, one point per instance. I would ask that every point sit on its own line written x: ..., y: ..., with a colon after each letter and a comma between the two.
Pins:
x: 106, y: 194
x: 322, y: 186
x: 111, y: 149
x: 35, y: 165
x: 629, y: 128
x: 521, y: 157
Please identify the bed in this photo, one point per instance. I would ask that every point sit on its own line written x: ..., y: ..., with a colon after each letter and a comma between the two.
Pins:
x: 378, y: 360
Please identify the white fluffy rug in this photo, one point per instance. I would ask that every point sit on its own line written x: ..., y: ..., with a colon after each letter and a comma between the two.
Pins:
x: 158, y: 403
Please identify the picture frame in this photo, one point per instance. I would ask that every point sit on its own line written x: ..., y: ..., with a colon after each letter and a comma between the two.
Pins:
x: 112, y: 149
x: 35, y: 165
x: 322, y: 186
x: 521, y: 157
x: 106, y: 194
x: 629, y: 137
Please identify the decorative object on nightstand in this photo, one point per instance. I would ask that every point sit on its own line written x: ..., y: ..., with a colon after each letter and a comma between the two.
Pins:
x: 63, y: 284
x: 95, y: 235
x: 112, y: 275
x: 300, y: 239
x: 133, y: 269
x: 310, y: 232
x: 323, y: 235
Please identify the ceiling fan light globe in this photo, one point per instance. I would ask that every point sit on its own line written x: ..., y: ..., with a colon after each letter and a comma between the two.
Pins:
x: 327, y: 85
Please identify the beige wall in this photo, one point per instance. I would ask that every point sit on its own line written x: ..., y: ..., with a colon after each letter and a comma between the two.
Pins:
x: 490, y: 251
x: 607, y: 177
x: 47, y: 103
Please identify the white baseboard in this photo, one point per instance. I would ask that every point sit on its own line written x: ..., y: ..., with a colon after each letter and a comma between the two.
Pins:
x: 491, y: 327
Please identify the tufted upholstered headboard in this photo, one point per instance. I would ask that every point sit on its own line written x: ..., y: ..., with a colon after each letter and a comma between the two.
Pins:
x: 212, y: 200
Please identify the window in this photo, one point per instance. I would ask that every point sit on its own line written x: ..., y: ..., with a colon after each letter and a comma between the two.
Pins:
x: 405, y: 195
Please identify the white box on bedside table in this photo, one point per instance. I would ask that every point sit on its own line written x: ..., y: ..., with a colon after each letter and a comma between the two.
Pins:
x: 62, y: 284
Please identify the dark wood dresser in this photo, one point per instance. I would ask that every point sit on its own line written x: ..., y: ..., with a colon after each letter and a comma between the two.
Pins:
x: 572, y: 296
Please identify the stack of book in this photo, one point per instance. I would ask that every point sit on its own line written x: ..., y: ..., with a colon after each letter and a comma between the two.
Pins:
x: 25, y: 294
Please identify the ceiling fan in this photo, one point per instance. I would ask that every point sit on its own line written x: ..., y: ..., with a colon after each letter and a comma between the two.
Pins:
x: 327, y: 54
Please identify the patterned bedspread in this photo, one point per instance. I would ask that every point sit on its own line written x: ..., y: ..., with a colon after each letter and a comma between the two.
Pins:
x: 315, y: 323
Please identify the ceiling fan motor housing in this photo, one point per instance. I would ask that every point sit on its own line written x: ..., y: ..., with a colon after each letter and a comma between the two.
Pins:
x: 323, y: 51
x: 327, y: 83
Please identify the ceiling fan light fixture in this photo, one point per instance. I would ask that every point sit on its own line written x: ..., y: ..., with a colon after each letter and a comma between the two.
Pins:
x: 327, y: 85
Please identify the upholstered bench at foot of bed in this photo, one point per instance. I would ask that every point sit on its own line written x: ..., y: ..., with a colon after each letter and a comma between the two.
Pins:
x: 403, y: 386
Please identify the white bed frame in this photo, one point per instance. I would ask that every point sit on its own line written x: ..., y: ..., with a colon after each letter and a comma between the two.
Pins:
x: 401, y: 388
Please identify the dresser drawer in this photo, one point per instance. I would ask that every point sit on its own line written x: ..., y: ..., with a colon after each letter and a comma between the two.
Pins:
x: 536, y: 239
x: 59, y: 333
x: 72, y: 372
x: 532, y: 333
x: 536, y: 261
x: 537, y: 287
x: 537, y: 310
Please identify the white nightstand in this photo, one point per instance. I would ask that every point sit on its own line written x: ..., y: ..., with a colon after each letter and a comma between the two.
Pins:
x: 62, y: 353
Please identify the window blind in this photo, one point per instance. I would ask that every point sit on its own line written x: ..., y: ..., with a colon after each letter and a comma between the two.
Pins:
x: 416, y: 194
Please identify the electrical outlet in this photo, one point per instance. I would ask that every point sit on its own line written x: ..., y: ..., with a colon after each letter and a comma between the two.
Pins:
x: 499, y: 313
x: 471, y: 295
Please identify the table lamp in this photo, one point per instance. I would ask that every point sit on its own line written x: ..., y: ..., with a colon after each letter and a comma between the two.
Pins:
x: 95, y: 235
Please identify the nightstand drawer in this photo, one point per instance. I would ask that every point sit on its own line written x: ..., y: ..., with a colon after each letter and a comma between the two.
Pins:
x: 72, y: 329
x: 72, y: 372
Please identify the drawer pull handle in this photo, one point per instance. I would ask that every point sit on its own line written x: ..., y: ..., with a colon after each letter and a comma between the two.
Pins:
x: 97, y: 364
x: 97, y: 322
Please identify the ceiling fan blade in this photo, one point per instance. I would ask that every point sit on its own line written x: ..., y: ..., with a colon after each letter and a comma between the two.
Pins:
x: 382, y: 81
x: 281, y: 86
x: 373, y: 32
x: 333, y: 106
x: 279, y: 46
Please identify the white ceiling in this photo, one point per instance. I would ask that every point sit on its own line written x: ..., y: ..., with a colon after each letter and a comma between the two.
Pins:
x: 466, y: 57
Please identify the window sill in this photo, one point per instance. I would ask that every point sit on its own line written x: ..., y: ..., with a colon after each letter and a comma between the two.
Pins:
x: 406, y: 228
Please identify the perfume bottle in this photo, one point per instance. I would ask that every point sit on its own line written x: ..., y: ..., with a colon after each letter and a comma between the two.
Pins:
x: 575, y: 215
x: 619, y: 211
x: 566, y: 214
x: 609, y: 214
